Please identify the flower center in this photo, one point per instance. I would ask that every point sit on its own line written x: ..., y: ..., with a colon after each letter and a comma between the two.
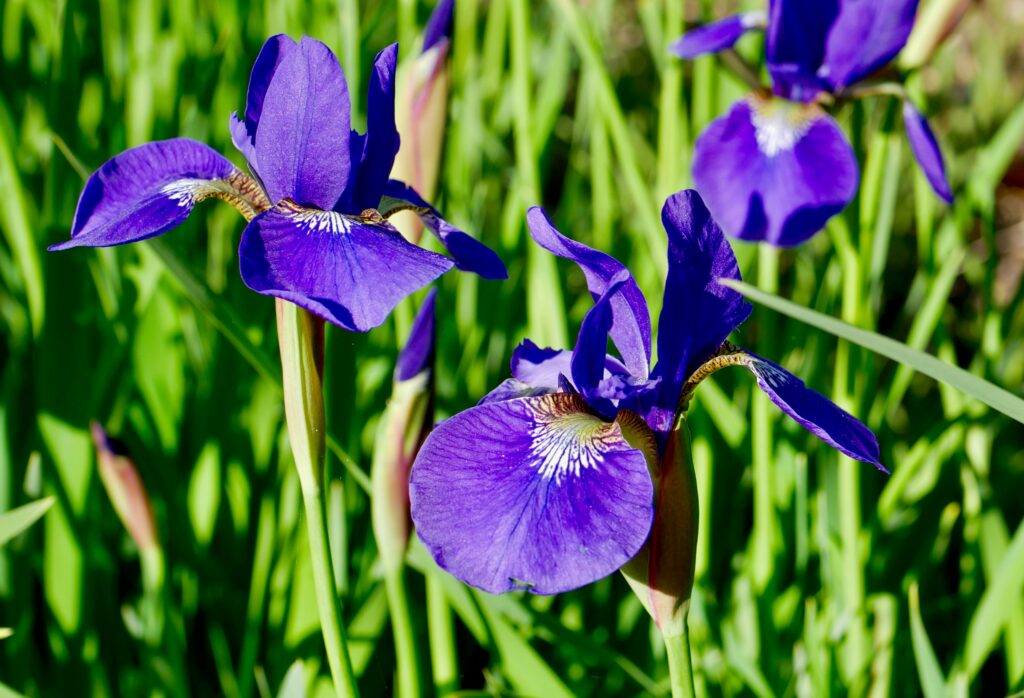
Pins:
x: 564, y: 440
x: 779, y: 125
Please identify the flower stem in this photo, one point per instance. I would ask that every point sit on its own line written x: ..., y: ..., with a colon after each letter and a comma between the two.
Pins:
x: 680, y: 668
x: 409, y: 685
x: 300, y: 338
x: 443, y: 657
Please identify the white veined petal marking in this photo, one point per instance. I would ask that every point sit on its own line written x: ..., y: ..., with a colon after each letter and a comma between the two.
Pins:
x: 238, y: 189
x: 779, y: 125
x: 566, y: 440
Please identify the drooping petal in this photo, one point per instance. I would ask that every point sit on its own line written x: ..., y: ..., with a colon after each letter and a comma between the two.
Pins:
x: 815, y: 412
x: 716, y: 36
x: 631, y: 321
x: 303, y: 132
x: 380, y: 144
x: 865, y: 36
x: 698, y: 313
x: 243, y: 130
x: 534, y: 493
x: 774, y: 171
x: 926, y: 151
x: 349, y: 271
x: 468, y: 253
x: 147, y: 190
x: 418, y: 353
x: 795, y: 45
x: 439, y: 26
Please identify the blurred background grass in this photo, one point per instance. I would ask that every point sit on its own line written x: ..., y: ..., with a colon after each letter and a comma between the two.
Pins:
x: 815, y: 575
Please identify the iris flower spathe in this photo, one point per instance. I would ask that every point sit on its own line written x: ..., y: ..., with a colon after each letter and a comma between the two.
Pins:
x: 779, y: 154
x: 547, y: 483
x: 317, y: 234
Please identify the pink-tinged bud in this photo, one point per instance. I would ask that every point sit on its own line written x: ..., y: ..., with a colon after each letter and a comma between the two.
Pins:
x: 420, y: 115
x: 661, y: 574
x: 402, y: 429
x: 935, y: 22
x: 126, y: 491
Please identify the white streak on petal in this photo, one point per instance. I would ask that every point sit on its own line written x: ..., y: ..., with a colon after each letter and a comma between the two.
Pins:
x: 779, y: 125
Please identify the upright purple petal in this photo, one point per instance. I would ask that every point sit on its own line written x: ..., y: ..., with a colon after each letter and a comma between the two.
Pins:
x: 349, y: 271
x: 243, y: 131
x: 774, y: 171
x: 590, y: 353
x: 439, y: 26
x: 815, y: 412
x: 795, y: 45
x: 631, y: 321
x: 380, y: 144
x: 468, y: 253
x: 698, y: 313
x: 303, y: 132
x: 418, y: 353
x: 147, y: 190
x: 865, y: 36
x: 716, y: 36
x: 926, y: 151
x: 540, y: 367
x: 534, y: 493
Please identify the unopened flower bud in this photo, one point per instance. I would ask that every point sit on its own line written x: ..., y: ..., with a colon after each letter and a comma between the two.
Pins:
x: 126, y: 490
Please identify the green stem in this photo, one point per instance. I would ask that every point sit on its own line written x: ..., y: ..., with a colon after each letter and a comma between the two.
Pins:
x: 443, y: 657
x: 300, y: 337
x: 409, y: 685
x: 762, y: 442
x: 680, y: 668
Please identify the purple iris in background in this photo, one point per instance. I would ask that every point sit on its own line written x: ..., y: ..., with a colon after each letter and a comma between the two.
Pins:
x: 546, y: 484
x: 317, y: 234
x: 777, y: 166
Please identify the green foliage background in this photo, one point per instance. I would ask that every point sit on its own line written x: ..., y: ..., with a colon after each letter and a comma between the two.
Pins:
x: 816, y: 575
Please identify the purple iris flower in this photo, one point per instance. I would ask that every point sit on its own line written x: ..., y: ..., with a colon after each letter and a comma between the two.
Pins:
x: 777, y: 166
x: 317, y: 234
x: 546, y: 484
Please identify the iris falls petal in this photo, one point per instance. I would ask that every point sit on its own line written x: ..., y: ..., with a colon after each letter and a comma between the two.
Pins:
x: 350, y: 271
x: 534, y: 493
x: 147, y: 190
x: 303, y: 132
x: 926, y: 151
x: 468, y: 253
x: 773, y: 170
x: 815, y: 412
x: 716, y: 36
x: 631, y: 321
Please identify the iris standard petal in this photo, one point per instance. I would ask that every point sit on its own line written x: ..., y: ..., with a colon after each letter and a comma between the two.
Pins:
x: 591, y: 350
x: 716, y: 36
x: 926, y: 151
x: 534, y: 493
x: 698, y: 313
x: 540, y: 367
x: 795, y: 45
x: 774, y: 171
x: 815, y: 412
x: 349, y: 271
x: 631, y: 321
x: 303, y: 132
x: 379, y: 146
x: 418, y: 353
x: 865, y: 36
x: 147, y: 190
x: 439, y: 26
x: 243, y: 130
x: 468, y: 253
